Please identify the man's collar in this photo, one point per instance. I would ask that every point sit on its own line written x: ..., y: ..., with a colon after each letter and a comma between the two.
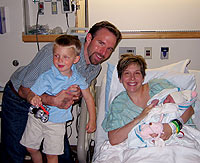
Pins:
x: 87, y: 61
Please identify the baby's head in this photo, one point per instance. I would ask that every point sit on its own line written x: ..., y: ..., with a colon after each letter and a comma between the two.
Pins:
x: 181, y: 97
x: 169, y: 99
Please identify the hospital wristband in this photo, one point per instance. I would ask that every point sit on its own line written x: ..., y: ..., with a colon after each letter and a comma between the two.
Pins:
x: 173, y: 127
x: 178, y: 125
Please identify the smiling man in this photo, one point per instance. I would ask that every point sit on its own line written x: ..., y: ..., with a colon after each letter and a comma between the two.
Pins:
x: 100, y: 42
x: 99, y: 47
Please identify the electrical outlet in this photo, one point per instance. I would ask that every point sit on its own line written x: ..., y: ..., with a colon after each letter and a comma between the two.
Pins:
x: 148, y: 52
x: 164, y: 54
x: 123, y: 50
x: 41, y: 8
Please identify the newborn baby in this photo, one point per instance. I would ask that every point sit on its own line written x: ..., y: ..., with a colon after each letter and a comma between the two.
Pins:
x: 183, y: 99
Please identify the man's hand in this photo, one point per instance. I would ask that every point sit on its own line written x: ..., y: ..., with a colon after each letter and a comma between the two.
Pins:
x: 64, y: 99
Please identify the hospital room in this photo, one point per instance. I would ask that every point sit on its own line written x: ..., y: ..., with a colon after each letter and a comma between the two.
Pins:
x: 164, y: 35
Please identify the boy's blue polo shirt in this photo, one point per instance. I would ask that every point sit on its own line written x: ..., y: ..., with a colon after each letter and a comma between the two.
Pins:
x: 52, y: 82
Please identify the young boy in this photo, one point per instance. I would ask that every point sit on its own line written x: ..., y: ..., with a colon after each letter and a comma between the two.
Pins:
x: 62, y: 74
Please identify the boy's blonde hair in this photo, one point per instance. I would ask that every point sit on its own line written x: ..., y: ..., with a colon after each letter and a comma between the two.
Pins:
x: 69, y: 41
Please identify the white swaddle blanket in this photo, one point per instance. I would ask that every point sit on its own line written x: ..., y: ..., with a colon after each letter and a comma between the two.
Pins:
x: 167, y: 111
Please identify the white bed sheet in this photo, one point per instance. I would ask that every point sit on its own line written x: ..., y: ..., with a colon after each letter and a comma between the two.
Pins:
x: 182, y: 150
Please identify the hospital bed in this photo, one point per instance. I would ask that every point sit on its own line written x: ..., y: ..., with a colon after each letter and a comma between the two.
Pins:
x: 177, y: 73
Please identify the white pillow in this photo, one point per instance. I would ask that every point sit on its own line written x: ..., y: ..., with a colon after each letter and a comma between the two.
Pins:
x: 197, y: 77
x: 197, y: 103
x: 180, y: 66
x: 173, y: 73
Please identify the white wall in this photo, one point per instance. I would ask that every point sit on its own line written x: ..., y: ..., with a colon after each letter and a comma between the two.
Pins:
x: 11, y: 45
x: 179, y: 49
x: 13, y: 48
x: 147, y: 14
x: 156, y: 15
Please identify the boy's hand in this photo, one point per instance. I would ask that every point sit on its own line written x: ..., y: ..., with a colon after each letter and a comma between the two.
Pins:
x: 91, y: 127
x: 36, y: 101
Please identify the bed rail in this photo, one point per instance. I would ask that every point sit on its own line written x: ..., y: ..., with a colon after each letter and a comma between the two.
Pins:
x: 84, y: 138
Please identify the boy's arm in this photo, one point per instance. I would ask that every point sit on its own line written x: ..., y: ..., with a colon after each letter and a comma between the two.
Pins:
x: 91, y: 108
x: 34, y: 99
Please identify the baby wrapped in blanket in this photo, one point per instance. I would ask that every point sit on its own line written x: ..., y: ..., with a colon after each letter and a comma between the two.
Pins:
x: 172, y: 103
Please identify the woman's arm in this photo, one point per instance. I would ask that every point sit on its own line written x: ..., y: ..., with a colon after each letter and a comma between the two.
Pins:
x: 185, y: 117
x: 187, y: 114
x: 119, y: 135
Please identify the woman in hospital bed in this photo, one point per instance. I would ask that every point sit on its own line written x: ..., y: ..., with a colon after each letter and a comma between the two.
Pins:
x: 128, y: 110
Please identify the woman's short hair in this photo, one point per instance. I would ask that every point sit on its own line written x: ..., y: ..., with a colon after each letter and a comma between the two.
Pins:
x: 127, y: 59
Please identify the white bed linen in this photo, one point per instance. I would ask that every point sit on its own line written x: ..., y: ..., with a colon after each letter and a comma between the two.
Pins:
x: 181, y: 150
